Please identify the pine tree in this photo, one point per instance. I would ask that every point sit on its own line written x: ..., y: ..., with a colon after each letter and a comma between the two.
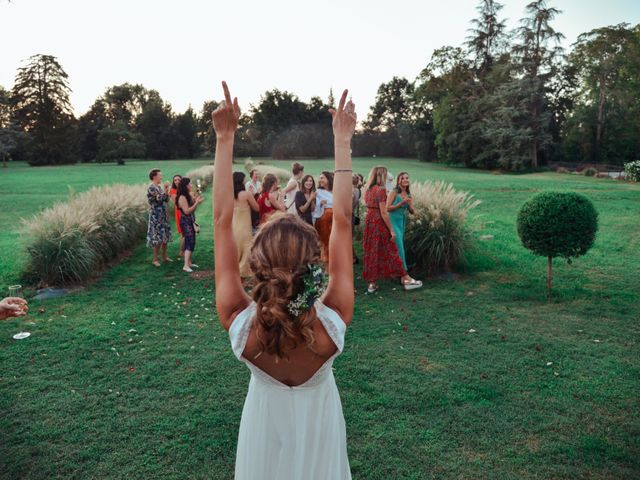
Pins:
x: 535, y: 56
x: 42, y: 108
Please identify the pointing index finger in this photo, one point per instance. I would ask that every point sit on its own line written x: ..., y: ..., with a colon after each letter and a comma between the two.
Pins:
x: 227, y: 95
x: 343, y: 99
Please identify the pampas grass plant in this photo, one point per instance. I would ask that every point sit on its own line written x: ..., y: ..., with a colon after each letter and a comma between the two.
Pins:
x: 437, y: 235
x: 204, y: 173
x: 71, y: 241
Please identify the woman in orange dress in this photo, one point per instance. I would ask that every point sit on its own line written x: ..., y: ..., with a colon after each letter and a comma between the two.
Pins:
x: 323, y: 214
x: 173, y: 193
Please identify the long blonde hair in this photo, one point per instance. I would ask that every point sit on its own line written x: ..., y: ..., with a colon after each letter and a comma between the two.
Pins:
x: 377, y: 176
x: 281, y: 251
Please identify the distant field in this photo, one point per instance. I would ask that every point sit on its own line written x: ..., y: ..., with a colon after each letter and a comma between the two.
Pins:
x: 133, y: 377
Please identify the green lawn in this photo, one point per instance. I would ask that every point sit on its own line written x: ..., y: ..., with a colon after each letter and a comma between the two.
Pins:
x: 133, y: 377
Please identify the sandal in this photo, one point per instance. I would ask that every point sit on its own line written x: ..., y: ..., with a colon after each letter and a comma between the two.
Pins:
x: 412, y: 284
x: 372, y: 289
x: 156, y: 263
x: 187, y: 269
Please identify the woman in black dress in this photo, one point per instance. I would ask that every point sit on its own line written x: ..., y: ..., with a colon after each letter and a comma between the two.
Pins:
x: 305, y: 199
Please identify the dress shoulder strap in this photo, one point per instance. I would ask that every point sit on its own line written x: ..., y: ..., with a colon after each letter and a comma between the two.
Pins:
x: 239, y: 331
x: 333, y: 324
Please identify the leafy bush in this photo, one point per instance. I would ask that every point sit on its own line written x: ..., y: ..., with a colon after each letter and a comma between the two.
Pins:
x: 562, y: 170
x: 117, y: 142
x: 590, y: 172
x: 437, y: 236
x: 71, y: 241
x: 558, y: 224
x: 632, y: 171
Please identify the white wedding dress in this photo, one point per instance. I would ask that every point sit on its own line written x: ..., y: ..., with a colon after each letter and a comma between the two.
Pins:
x: 291, y: 433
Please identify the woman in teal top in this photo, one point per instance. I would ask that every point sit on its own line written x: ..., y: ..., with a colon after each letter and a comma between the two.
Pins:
x: 398, y: 202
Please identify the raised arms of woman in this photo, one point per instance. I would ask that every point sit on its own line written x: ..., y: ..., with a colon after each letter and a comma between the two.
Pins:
x: 231, y: 299
x: 339, y: 295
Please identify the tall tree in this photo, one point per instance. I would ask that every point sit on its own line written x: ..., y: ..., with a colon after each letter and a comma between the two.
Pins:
x: 608, y: 64
x: 486, y: 41
x: 8, y: 131
x: 206, y: 135
x: 154, y: 123
x: 42, y: 108
x: 536, y: 55
x: 392, y: 106
x: 185, y: 133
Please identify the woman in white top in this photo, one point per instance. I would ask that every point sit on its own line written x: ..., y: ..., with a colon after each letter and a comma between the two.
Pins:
x: 254, y: 185
x: 292, y: 423
x: 293, y: 186
x: 323, y: 214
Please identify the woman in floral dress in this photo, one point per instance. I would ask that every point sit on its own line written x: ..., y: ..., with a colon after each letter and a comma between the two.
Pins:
x: 158, y: 229
x: 381, y: 257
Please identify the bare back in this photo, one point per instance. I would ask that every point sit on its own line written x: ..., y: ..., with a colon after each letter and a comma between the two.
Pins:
x: 302, y: 363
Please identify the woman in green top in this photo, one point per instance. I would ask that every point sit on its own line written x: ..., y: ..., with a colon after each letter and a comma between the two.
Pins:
x: 398, y: 202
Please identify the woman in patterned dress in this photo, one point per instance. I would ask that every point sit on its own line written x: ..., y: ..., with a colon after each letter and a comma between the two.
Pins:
x: 158, y: 229
x: 381, y: 257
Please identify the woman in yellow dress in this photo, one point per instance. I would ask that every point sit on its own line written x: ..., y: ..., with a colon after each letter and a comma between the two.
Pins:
x: 242, y: 230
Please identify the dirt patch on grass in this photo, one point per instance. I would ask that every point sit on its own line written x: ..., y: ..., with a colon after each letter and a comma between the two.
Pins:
x: 203, y: 275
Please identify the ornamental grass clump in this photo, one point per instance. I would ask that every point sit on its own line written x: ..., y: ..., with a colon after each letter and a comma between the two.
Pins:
x: 281, y: 174
x: 558, y: 224
x: 437, y: 235
x: 72, y: 241
x: 204, y: 174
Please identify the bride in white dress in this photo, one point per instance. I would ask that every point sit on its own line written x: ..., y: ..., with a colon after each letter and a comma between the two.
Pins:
x: 289, y: 332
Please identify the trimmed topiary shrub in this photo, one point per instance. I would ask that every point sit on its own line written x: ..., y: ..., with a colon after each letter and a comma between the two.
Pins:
x: 558, y: 224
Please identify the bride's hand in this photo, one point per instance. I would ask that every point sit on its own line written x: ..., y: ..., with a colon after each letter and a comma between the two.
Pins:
x: 226, y: 116
x: 344, y: 119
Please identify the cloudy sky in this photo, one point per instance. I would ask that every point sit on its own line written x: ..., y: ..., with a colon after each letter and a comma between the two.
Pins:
x: 183, y: 48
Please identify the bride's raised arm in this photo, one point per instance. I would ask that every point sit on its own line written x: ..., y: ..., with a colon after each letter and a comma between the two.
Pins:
x: 231, y: 299
x: 340, y: 295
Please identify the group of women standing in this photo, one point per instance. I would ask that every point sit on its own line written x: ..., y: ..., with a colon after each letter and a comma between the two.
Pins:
x: 383, y: 236
x: 384, y: 226
x: 180, y: 192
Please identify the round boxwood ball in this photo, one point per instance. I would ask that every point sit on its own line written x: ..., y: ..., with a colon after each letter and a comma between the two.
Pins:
x: 558, y: 224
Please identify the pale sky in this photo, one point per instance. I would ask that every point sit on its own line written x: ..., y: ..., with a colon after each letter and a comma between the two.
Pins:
x: 183, y: 48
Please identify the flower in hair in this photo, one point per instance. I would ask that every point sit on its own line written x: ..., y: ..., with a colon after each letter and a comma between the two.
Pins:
x: 315, y: 283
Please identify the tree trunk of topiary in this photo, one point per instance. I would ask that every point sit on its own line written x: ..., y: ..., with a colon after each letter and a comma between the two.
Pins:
x: 549, y: 265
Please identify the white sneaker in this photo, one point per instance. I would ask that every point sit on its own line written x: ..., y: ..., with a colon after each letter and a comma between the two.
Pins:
x: 412, y: 285
x: 193, y: 265
x: 187, y: 269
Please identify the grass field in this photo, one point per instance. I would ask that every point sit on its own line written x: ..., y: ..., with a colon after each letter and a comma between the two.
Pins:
x: 479, y: 376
